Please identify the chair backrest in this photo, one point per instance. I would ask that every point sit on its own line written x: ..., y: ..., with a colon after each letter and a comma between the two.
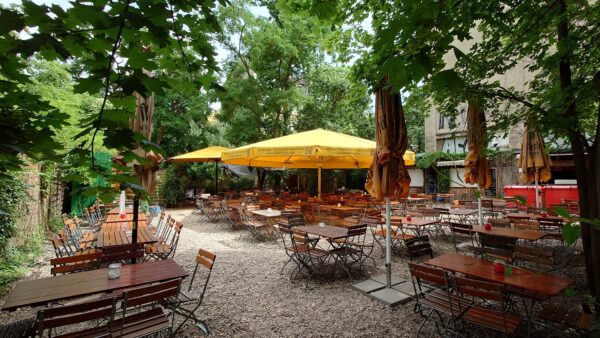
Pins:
x: 525, y: 224
x: 122, y: 253
x: 76, y: 263
x: 461, y: 228
x: 422, y: 273
x: 206, y: 260
x: 487, y: 203
x: 296, y: 219
x: 150, y: 293
x: 479, y: 290
x: 418, y: 246
x: 430, y: 213
x: 59, y: 316
x: 537, y: 255
x: 500, y: 222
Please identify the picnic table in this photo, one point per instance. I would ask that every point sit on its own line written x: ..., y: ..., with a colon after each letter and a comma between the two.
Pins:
x: 511, y: 233
x: 128, y: 217
x: 110, y: 238
x: 42, y: 291
x: 122, y: 226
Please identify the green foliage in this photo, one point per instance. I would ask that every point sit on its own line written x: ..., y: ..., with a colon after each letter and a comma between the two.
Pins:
x: 15, y: 262
x: 277, y: 80
x: 12, y: 195
x: 416, y: 106
x: 173, y: 185
x: 181, y: 121
x: 443, y: 180
x: 428, y: 160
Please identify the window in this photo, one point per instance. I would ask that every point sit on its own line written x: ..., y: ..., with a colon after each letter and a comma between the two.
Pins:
x: 442, y: 122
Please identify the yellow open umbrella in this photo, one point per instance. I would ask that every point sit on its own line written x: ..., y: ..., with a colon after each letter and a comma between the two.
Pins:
x: 316, y: 149
x: 203, y: 155
x: 209, y: 154
x: 533, y: 161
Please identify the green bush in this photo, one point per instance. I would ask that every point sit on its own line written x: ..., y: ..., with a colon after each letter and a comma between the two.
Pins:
x: 12, y: 195
x: 173, y: 186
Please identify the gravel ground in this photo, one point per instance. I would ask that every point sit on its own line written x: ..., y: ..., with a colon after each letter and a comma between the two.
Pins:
x: 247, y: 296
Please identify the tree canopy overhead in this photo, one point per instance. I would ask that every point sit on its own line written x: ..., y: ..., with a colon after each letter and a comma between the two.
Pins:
x: 279, y: 78
x: 117, y: 48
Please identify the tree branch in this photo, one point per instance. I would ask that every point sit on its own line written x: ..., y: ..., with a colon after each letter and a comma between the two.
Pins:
x: 107, y: 79
x: 178, y: 36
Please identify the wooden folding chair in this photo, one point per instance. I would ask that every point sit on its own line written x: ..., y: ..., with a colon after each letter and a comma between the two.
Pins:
x: 166, y: 248
x: 150, y: 321
x: 439, y: 301
x: 123, y: 253
x: 462, y: 230
x: 204, y: 260
x: 485, y: 316
x: 418, y: 246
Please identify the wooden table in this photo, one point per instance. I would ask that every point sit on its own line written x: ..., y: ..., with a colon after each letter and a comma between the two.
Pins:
x: 110, y: 238
x: 533, y: 216
x: 122, y: 226
x: 266, y: 213
x: 329, y: 232
x: 510, y: 233
x: 343, y: 210
x: 116, y: 211
x: 52, y: 289
x: 541, y: 283
x: 128, y: 217
x: 462, y: 211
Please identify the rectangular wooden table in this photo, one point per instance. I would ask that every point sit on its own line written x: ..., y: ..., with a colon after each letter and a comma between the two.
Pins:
x: 542, y: 283
x: 52, y: 289
x: 266, y: 213
x: 329, y: 232
x: 462, y: 211
x: 128, y: 217
x: 533, y: 216
x: 109, y: 238
x: 511, y: 233
x: 122, y: 226
x: 115, y: 211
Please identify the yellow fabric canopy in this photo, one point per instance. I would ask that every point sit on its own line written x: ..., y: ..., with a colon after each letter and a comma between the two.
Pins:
x: 317, y: 148
x: 209, y: 154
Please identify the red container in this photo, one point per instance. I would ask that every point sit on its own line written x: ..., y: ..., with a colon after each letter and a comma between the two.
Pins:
x: 555, y: 194
x: 526, y: 191
x: 549, y: 194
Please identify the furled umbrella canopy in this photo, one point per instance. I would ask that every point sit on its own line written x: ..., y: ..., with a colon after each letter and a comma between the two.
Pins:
x: 477, y: 167
x: 534, y: 158
x: 388, y: 175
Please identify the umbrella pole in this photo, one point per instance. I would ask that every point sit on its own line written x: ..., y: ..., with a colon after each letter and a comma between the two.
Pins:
x: 216, y: 178
x: 480, y: 214
x: 134, y: 232
x: 388, y: 243
x: 319, y: 183
x: 537, y: 193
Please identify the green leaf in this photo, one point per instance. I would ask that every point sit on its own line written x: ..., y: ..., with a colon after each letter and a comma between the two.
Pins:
x: 571, y: 233
x: 562, y: 212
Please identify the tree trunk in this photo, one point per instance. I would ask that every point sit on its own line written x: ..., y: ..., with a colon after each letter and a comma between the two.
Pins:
x: 587, y: 168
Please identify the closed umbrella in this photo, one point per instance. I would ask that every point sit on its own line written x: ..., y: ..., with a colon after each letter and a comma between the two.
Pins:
x: 534, y: 162
x: 388, y: 175
x: 477, y: 166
